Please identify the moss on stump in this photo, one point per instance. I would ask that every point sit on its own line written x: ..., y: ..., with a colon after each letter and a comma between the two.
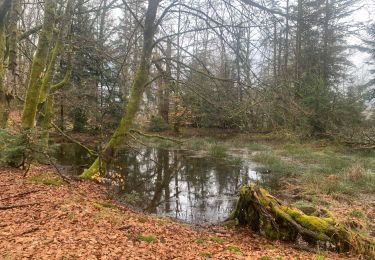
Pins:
x: 270, y: 217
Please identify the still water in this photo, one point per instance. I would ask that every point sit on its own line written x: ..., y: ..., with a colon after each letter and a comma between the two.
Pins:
x: 176, y: 183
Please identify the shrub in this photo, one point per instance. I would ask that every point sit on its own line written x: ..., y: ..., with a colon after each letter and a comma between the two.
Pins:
x: 79, y: 118
x: 157, y: 124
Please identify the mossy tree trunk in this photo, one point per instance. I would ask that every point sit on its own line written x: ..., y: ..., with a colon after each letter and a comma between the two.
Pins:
x: 14, y: 16
x: 267, y: 215
x: 138, y: 88
x: 4, y: 7
x: 46, y: 99
x: 38, y: 66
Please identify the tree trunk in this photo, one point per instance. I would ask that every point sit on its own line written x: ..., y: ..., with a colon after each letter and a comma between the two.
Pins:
x: 4, y: 7
x: 38, y: 66
x: 138, y: 88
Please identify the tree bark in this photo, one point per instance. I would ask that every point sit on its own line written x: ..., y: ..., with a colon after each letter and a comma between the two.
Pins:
x: 138, y: 88
x: 38, y: 66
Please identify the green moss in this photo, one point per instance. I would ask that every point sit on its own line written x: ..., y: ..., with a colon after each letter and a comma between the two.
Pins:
x: 234, y: 248
x: 320, y: 225
x: 219, y: 240
x: 92, y: 171
x: 271, y: 232
x: 46, y: 179
x: 205, y: 254
x: 38, y: 66
x: 147, y: 238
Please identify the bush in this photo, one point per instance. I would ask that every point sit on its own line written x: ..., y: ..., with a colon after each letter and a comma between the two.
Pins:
x: 157, y: 124
x: 79, y: 118
x: 12, y: 148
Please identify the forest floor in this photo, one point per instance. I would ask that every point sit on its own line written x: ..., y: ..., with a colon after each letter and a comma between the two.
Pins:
x: 42, y: 217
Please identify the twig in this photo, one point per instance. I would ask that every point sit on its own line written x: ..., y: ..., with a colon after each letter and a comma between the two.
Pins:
x: 57, y: 169
x: 28, y: 231
x: 20, y: 194
x: 91, y: 152
x: 156, y: 136
x: 18, y: 206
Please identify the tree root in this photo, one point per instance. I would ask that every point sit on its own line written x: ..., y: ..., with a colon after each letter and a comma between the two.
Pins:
x: 267, y: 215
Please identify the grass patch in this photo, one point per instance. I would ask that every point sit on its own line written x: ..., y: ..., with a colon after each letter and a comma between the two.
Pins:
x: 205, y: 254
x: 305, y: 206
x: 142, y: 219
x: 196, y: 144
x: 219, y: 240
x: 356, y: 214
x: 46, y: 179
x: 257, y: 147
x: 274, y: 163
x: 105, y: 204
x: 147, y: 238
x: 235, y: 249
x: 200, y: 240
x: 217, y: 151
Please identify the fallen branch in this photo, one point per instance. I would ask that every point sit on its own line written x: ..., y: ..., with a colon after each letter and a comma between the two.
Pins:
x: 20, y: 194
x: 90, y: 151
x: 156, y: 136
x: 31, y: 230
x: 18, y: 206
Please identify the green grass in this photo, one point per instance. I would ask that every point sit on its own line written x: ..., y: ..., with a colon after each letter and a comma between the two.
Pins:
x: 257, y: 147
x: 46, y: 179
x: 274, y: 163
x: 147, y: 238
x: 235, y: 249
x: 142, y: 219
x: 217, y: 151
x: 105, y: 204
x: 219, y: 240
x: 200, y: 240
x: 357, y: 213
x: 196, y: 144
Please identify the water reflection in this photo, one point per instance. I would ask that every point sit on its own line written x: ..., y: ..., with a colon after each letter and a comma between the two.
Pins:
x: 176, y: 184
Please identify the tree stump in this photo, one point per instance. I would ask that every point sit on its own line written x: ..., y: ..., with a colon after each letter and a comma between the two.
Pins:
x: 270, y: 217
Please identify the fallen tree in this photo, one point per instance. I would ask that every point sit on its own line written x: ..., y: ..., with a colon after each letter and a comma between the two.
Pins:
x: 267, y: 215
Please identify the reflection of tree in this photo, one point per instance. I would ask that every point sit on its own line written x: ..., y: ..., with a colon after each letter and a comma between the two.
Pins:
x: 172, y: 182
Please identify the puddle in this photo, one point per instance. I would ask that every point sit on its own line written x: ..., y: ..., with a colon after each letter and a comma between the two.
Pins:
x: 174, y: 183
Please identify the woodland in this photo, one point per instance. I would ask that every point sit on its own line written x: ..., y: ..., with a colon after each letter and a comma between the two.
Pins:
x: 158, y: 129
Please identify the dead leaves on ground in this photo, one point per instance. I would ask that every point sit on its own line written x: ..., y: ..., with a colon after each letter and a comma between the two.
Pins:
x: 80, y: 221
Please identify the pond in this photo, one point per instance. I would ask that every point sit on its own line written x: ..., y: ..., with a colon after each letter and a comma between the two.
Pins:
x: 186, y: 185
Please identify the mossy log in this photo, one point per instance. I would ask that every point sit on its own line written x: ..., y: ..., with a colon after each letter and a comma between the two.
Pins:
x: 275, y: 220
